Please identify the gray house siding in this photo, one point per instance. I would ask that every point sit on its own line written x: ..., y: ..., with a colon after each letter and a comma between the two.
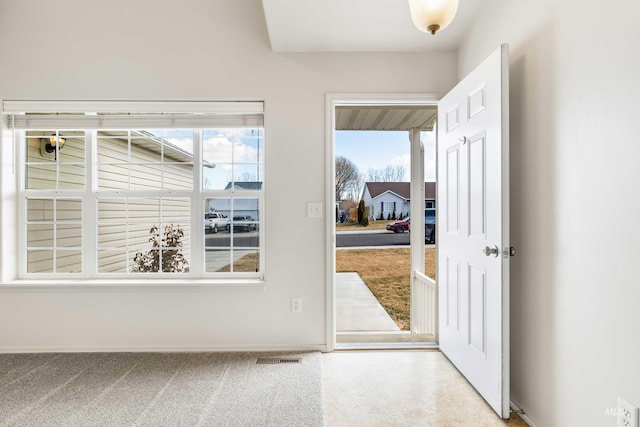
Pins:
x: 390, y: 197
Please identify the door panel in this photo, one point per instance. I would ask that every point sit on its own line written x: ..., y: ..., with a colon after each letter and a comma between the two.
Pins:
x: 473, y: 267
x: 476, y: 185
x: 477, y: 309
x: 453, y: 189
x: 453, y: 286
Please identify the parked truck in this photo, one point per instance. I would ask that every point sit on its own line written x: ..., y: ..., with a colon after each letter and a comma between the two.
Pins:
x: 215, y: 221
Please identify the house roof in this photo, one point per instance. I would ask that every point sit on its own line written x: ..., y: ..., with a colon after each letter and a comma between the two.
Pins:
x: 402, y: 189
x: 158, y: 145
x: 245, y: 185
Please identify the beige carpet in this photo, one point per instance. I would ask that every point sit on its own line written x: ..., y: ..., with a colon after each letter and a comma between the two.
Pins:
x: 159, y: 389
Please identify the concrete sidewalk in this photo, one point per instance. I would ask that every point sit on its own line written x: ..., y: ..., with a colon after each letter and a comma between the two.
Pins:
x: 357, y: 310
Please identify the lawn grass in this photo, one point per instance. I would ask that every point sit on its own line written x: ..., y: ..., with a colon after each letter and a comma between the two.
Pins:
x: 249, y: 263
x: 373, y: 225
x: 387, y: 274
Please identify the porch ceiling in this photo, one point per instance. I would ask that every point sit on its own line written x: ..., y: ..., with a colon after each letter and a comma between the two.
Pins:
x: 385, y: 117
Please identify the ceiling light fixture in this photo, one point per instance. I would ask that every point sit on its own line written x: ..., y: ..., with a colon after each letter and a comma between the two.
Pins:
x: 431, y: 16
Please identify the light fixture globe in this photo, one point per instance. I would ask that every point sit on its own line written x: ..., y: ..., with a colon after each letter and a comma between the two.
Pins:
x: 55, y: 141
x: 53, y: 144
x: 431, y: 16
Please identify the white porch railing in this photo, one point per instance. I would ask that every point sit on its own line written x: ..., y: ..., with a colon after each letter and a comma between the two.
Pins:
x: 423, y: 310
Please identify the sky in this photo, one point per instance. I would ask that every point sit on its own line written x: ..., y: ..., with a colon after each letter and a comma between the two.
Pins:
x: 367, y: 149
x: 377, y: 149
x: 236, y: 153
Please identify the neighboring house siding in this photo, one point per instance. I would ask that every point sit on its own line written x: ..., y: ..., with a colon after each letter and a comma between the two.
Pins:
x: 41, y: 234
x: 388, y: 203
x: 143, y: 214
x: 392, y: 197
x: 241, y: 206
x: 41, y: 171
x: 366, y: 197
x: 115, y: 231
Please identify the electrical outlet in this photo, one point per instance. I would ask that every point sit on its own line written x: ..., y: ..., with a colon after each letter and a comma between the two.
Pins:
x: 627, y: 414
x: 296, y: 304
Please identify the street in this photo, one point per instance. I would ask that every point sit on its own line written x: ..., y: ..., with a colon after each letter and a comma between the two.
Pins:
x: 249, y: 239
x: 241, y: 239
x: 386, y: 238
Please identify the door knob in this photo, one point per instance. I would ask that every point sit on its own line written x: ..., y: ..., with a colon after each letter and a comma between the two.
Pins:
x: 491, y: 251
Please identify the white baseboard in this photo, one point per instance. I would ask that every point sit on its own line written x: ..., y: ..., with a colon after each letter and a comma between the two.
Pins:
x: 525, y: 416
x: 163, y: 348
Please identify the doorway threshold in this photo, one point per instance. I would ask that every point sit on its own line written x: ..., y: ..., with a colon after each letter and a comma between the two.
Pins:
x: 360, y: 340
x: 382, y: 336
x: 345, y: 346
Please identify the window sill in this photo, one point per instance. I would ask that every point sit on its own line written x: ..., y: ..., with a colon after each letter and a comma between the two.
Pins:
x: 33, y: 285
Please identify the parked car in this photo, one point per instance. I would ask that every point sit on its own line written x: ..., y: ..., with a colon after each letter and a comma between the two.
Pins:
x: 399, y: 226
x: 243, y: 223
x: 429, y: 226
x: 214, y: 221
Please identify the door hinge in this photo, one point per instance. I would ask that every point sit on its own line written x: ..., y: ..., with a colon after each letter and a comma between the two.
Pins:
x: 509, y: 251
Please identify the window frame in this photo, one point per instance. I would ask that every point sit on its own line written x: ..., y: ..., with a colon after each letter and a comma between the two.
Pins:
x: 90, y: 195
x: 388, y: 203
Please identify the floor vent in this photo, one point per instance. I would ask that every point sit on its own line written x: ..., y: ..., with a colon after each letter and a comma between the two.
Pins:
x: 277, y: 360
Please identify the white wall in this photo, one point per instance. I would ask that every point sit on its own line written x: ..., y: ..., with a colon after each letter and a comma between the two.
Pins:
x: 575, y: 185
x: 192, y: 50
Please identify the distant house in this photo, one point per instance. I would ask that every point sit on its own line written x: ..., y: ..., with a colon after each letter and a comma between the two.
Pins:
x: 245, y: 185
x: 390, y: 197
x: 241, y: 206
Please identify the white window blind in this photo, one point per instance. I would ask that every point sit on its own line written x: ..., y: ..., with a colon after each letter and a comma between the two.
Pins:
x: 107, y: 115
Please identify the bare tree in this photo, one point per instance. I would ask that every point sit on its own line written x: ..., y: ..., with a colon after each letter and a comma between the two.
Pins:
x: 247, y: 177
x: 388, y: 174
x: 347, y: 178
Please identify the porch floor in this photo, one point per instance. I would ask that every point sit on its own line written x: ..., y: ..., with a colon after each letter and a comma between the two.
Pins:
x: 361, y: 319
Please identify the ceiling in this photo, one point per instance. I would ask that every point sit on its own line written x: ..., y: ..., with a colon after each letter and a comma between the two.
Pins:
x: 385, y: 117
x: 358, y: 26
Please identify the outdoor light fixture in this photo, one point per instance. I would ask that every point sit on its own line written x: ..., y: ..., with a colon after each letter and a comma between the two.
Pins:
x: 52, y: 145
x: 431, y: 16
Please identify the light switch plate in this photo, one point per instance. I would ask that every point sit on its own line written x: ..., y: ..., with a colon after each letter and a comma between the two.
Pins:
x: 314, y: 209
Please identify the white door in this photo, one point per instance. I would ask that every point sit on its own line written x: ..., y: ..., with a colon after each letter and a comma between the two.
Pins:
x: 473, y: 222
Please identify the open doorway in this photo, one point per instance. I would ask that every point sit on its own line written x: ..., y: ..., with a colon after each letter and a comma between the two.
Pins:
x: 383, y: 158
x: 472, y: 323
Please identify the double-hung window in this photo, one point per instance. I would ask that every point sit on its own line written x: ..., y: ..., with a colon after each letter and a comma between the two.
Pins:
x: 388, y: 207
x: 140, y: 190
